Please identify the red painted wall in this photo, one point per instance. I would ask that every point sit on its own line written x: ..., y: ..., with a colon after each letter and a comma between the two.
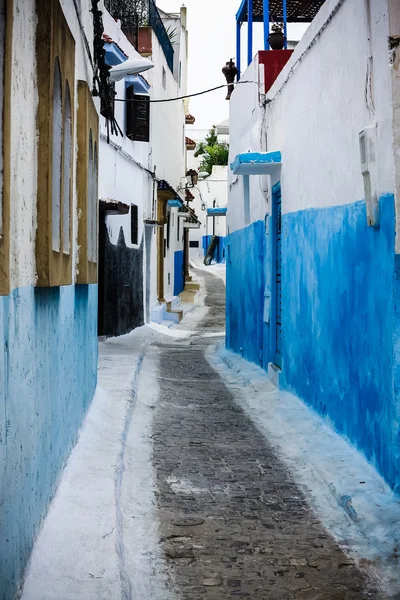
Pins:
x: 273, y: 61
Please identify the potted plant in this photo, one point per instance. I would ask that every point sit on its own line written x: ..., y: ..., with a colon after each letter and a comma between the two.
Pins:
x: 276, y: 38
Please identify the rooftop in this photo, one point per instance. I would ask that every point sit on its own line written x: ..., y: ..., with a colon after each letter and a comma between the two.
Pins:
x: 298, y: 11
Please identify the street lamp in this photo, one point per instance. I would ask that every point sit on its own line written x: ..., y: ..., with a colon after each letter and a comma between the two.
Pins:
x: 132, y: 66
x: 193, y: 175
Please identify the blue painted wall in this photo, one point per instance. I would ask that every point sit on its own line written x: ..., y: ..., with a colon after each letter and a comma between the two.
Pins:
x: 220, y: 251
x: 341, y: 319
x: 48, y: 372
x: 245, y: 284
x: 179, y: 277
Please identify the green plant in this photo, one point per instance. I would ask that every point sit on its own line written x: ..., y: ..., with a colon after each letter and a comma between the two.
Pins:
x: 214, y: 155
x: 212, y: 152
x: 277, y: 28
x: 172, y: 34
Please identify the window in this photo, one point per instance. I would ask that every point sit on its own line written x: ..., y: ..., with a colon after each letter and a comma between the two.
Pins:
x: 55, y: 55
x: 6, y: 12
x: 177, y: 229
x: 67, y: 171
x: 56, y: 156
x: 164, y: 78
x: 193, y: 243
x: 87, y: 184
x: 137, y: 116
x: 134, y: 225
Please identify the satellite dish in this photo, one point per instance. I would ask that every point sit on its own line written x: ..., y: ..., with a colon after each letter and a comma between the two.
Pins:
x: 130, y: 67
x: 204, y: 174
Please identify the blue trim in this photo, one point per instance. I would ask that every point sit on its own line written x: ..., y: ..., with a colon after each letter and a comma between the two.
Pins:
x: 285, y: 23
x: 238, y: 48
x: 240, y: 15
x: 179, y: 279
x: 140, y: 86
x: 266, y: 23
x: 217, y: 211
x: 177, y: 203
x: 249, y: 31
x: 114, y: 56
x: 256, y: 163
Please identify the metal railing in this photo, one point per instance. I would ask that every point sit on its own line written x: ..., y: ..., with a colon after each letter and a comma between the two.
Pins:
x: 199, y: 135
x: 142, y: 13
x: 156, y: 23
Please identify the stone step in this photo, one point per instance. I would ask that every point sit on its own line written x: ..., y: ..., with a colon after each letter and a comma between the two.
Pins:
x: 192, y: 286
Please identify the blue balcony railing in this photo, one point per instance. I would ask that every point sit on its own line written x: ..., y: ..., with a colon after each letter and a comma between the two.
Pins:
x: 156, y: 23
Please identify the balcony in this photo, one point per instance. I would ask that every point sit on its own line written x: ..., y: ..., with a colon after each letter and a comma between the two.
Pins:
x: 275, y: 11
x: 137, y: 18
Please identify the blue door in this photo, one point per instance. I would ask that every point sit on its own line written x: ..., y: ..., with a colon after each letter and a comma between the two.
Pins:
x: 277, y: 321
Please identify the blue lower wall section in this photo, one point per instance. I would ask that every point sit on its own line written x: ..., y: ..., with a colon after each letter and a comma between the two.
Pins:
x: 179, y: 277
x: 341, y: 319
x: 220, y: 250
x: 48, y: 372
x: 245, y: 282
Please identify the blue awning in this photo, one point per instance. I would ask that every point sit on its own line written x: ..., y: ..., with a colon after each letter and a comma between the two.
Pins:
x: 114, y: 56
x: 140, y: 86
x: 217, y: 211
x: 256, y: 163
x: 176, y: 203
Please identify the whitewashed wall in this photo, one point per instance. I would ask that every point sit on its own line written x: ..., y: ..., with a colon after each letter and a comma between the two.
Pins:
x: 213, y: 188
x: 24, y: 136
x: 394, y: 25
x: 167, y: 138
x: 320, y: 94
x: 120, y: 177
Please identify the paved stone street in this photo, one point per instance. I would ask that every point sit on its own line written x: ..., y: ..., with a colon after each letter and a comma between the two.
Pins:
x: 233, y: 522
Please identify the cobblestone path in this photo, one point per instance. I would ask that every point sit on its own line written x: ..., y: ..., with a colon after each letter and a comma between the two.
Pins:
x: 233, y: 522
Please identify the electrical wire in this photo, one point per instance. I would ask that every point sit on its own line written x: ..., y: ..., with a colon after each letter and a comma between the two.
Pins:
x: 218, y: 87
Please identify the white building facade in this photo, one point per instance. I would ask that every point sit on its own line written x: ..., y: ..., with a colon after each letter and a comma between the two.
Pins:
x: 312, y: 260
x: 48, y: 279
x: 147, y: 160
x: 210, y: 204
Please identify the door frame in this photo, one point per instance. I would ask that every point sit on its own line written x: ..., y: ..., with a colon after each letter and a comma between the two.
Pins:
x: 275, y: 354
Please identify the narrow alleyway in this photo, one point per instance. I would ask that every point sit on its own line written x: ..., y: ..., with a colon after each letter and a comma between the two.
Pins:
x: 232, y: 520
x: 173, y: 493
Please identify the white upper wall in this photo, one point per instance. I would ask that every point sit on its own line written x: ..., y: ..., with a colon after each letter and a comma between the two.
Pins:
x: 120, y: 175
x: 23, y: 148
x: 315, y: 111
x: 167, y: 118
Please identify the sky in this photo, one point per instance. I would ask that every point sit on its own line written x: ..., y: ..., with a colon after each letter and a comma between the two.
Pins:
x: 212, y: 42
